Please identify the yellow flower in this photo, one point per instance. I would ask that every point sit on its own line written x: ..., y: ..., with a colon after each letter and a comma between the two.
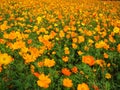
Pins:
x: 100, y: 62
x: 49, y: 63
x: 74, y: 45
x: 66, y: 50
x: 61, y: 34
x: 74, y: 40
x: 39, y: 19
x: 108, y: 75
x: 90, y: 41
x: 53, y: 52
x: 65, y: 58
x: 67, y: 82
x: 18, y: 45
x: 43, y: 81
x: 5, y: 59
x: 116, y: 30
x: 4, y: 26
x: 80, y: 52
x: 83, y: 86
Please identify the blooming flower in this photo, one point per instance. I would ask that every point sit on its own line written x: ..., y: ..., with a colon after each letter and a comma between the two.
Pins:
x: 5, y: 59
x: 116, y: 30
x: 66, y: 50
x: 106, y: 55
x: 67, y: 82
x: 65, y: 58
x: 108, y: 75
x: 83, y: 86
x: 74, y: 69
x: 49, y: 63
x: 39, y: 19
x: 81, y: 39
x: 43, y: 81
x: 74, y: 45
x: 66, y: 72
x: 88, y: 60
x: 100, y: 62
x: 61, y: 34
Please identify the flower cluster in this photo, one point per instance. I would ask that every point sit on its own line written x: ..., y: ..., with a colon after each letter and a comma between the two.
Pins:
x: 59, y: 44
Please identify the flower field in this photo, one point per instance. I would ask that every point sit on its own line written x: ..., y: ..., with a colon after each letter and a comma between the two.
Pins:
x: 59, y: 45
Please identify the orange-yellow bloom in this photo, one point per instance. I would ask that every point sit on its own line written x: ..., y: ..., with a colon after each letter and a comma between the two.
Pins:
x: 65, y: 58
x: 74, y: 69
x: 67, y: 82
x: 106, y: 55
x: 100, y: 62
x: 43, y: 81
x: 88, y: 60
x: 83, y: 86
x: 5, y: 59
x: 108, y: 75
x: 49, y: 63
x: 66, y: 50
x: 81, y: 39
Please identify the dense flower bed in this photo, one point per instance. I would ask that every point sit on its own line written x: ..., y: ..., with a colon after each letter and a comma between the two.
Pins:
x: 59, y: 45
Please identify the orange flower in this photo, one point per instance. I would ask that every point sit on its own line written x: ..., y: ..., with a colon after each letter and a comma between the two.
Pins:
x: 97, y: 37
x: 60, y: 16
x: 118, y: 48
x: 88, y: 60
x: 105, y: 55
x: 49, y: 63
x: 80, y: 52
x: 100, y: 62
x: 40, y: 64
x: 43, y: 81
x: 66, y: 50
x: 29, y: 41
x: 65, y: 58
x: 66, y: 72
x: 74, y: 40
x: 74, y: 69
x: 18, y: 45
x: 2, y: 41
x: 83, y: 86
x: 67, y: 82
x: 81, y: 39
x: 61, y: 34
x: 74, y: 46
